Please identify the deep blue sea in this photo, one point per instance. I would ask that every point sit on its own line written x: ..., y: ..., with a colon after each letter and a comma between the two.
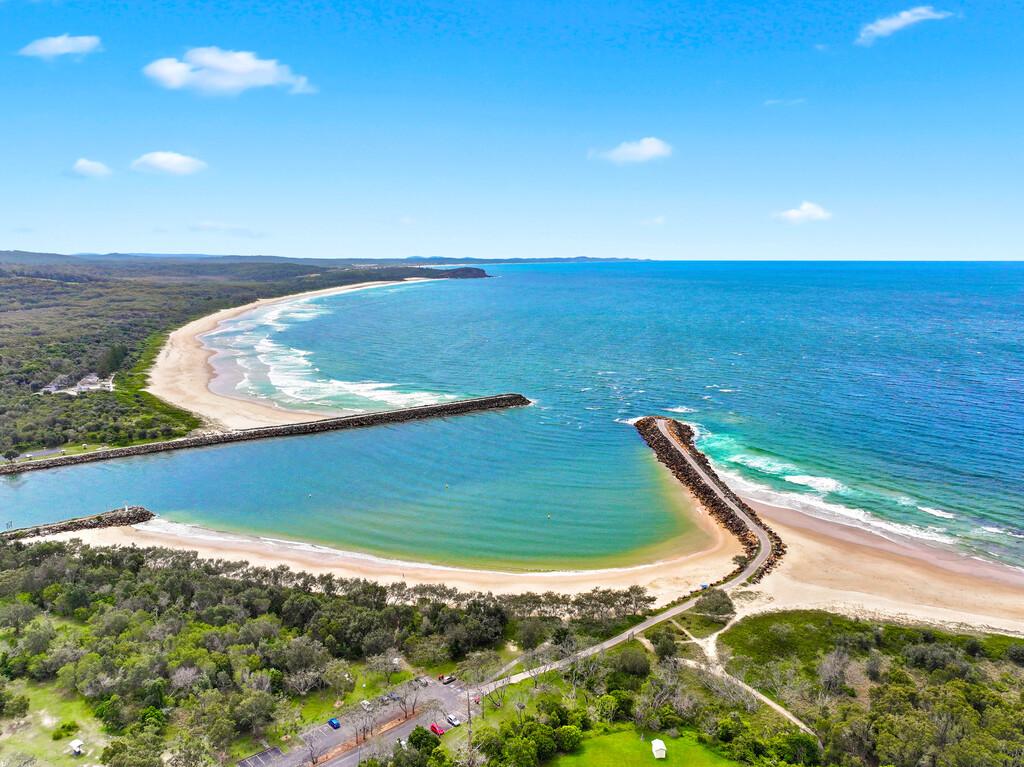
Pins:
x: 883, y: 395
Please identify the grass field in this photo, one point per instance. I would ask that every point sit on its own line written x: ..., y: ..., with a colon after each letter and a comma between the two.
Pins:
x: 33, y: 735
x: 625, y: 749
x: 698, y: 625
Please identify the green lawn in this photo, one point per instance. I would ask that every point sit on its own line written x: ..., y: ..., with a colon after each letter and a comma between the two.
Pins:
x: 698, y: 625
x: 625, y: 749
x: 49, y: 707
x: 318, y: 706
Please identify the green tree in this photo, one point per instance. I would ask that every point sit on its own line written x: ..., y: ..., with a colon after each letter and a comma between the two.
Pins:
x: 715, y: 603
x: 141, y: 748
x: 423, y: 740
x: 191, y: 751
x: 520, y: 752
x: 568, y: 738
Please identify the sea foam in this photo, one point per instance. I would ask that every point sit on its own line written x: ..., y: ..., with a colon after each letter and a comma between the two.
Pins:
x: 821, y: 484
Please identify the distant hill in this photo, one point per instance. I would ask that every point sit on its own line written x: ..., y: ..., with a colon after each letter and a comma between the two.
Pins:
x: 418, y: 260
x: 26, y: 257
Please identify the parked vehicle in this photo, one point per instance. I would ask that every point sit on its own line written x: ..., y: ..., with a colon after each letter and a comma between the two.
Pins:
x: 334, y: 723
x: 366, y: 705
x: 423, y: 681
x: 434, y: 728
x: 448, y: 679
x: 453, y: 720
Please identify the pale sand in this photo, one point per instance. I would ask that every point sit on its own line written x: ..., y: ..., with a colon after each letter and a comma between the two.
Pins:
x: 857, y: 572
x: 665, y: 579
x: 182, y: 372
x: 828, y: 565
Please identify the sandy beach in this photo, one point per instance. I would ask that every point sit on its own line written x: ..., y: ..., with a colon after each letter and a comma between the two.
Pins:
x: 828, y: 565
x: 182, y: 372
x: 665, y: 578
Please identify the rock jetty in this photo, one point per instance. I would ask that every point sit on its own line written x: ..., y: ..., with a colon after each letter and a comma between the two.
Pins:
x: 360, y: 421
x: 710, y: 498
x: 129, y: 515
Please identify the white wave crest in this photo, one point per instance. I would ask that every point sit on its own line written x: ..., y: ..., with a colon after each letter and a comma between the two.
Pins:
x: 937, y: 512
x: 1002, y: 531
x: 294, y: 376
x: 680, y: 409
x: 821, y: 484
x: 762, y: 463
x: 816, y: 506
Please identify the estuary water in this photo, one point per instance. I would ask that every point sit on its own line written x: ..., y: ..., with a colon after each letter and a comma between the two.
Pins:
x: 882, y: 395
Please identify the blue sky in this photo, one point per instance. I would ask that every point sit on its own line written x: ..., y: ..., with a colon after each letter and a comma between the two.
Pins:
x: 697, y: 130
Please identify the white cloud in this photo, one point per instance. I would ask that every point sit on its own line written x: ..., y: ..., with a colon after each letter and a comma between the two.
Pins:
x: 61, y: 45
x: 784, y: 102
x: 644, y: 150
x: 219, y: 227
x: 169, y: 162
x: 889, y: 25
x: 807, y: 211
x: 653, y: 221
x: 216, y: 71
x: 90, y: 168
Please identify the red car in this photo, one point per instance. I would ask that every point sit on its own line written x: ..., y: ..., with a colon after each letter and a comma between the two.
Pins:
x: 438, y: 731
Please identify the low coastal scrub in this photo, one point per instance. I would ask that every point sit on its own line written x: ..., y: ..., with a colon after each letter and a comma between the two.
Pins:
x: 887, y: 694
x: 61, y: 321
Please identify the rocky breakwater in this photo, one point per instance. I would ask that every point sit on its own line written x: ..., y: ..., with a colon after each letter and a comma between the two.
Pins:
x: 711, y: 497
x: 129, y: 515
x: 360, y: 421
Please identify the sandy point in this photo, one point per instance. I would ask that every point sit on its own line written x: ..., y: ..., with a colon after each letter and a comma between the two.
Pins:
x: 182, y: 372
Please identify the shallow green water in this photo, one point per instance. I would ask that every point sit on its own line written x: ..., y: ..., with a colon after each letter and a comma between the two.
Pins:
x: 881, y: 395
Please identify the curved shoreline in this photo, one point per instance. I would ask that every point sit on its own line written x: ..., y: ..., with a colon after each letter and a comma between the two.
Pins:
x: 182, y: 371
x: 828, y: 565
x: 665, y: 578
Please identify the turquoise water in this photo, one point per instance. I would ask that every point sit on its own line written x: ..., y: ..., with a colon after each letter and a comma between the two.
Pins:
x: 884, y: 395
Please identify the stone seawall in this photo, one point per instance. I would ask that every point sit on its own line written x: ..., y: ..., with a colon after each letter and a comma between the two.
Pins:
x: 360, y: 421
x: 130, y: 515
x: 709, y: 497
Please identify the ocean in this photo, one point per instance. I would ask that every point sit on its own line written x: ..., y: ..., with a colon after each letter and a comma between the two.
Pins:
x: 886, y: 396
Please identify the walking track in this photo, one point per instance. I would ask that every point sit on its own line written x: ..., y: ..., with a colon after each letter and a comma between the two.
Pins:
x: 763, y: 553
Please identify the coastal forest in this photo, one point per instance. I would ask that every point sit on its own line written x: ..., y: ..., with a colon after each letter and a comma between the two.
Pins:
x: 63, y: 318
x: 156, y: 657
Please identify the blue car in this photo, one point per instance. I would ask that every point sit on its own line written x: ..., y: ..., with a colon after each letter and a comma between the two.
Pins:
x: 335, y: 724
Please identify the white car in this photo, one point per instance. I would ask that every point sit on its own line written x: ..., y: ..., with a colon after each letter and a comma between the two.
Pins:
x: 366, y: 705
x: 452, y: 720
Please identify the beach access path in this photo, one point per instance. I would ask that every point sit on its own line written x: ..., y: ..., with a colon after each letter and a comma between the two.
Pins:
x: 764, y: 551
x: 753, y: 565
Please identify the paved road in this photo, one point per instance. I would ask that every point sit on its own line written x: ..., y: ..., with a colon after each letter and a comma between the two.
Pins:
x: 452, y: 698
x: 435, y: 701
x: 764, y: 551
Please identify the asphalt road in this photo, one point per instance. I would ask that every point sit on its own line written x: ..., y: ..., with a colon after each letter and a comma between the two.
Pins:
x: 763, y: 552
x: 452, y: 698
x: 435, y: 701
